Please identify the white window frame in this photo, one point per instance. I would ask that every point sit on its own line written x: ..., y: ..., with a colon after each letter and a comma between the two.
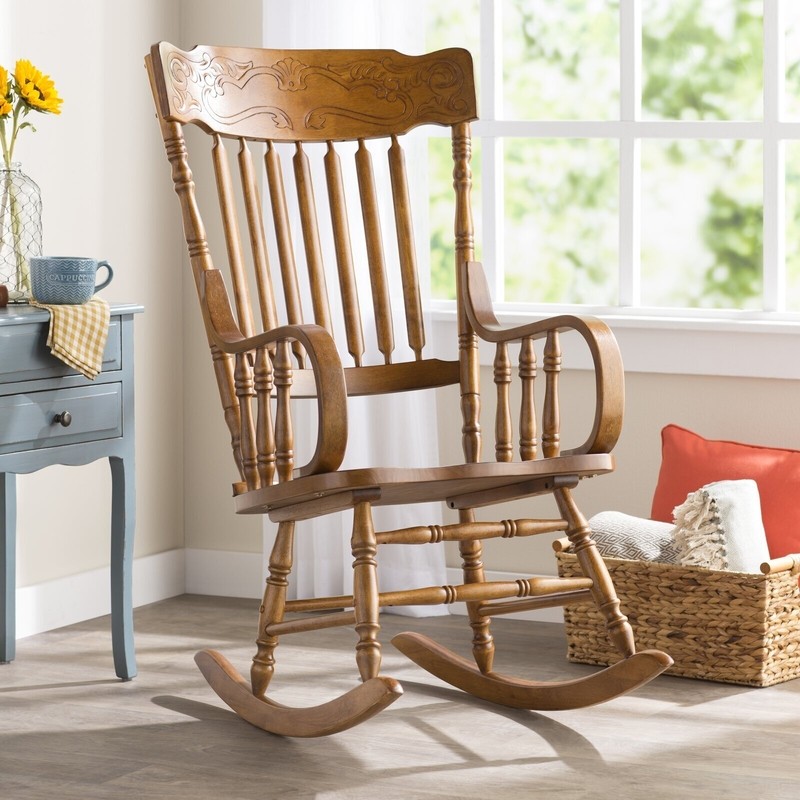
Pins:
x: 722, y: 342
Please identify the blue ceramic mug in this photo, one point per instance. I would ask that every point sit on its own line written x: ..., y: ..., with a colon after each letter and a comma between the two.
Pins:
x: 66, y: 280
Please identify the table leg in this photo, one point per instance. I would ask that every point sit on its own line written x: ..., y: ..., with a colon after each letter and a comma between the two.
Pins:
x: 123, y: 521
x: 8, y: 565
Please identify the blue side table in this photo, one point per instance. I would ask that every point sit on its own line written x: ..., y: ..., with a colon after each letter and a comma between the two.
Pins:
x: 50, y: 414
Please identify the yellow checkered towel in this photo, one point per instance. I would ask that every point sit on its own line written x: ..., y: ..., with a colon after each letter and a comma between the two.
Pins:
x: 78, y: 334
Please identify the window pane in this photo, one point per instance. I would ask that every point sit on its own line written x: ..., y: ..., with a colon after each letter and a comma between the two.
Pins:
x: 442, y: 214
x: 702, y: 219
x: 793, y: 226
x: 702, y: 60
x: 552, y: 51
x: 792, y: 56
x: 561, y: 221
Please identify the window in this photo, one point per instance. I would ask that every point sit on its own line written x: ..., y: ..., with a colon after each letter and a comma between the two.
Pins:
x: 631, y: 155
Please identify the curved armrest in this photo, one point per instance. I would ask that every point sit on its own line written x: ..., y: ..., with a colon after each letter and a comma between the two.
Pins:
x: 325, y: 364
x: 608, y: 369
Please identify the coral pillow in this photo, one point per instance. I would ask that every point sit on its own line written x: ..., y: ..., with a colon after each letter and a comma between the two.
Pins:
x: 689, y: 461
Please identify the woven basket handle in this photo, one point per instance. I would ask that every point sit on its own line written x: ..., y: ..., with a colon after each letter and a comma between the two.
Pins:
x: 782, y: 564
x: 562, y: 545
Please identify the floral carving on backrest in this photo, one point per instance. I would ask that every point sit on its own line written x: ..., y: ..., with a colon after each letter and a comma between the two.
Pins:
x: 394, y: 84
x: 198, y: 82
x: 371, y: 93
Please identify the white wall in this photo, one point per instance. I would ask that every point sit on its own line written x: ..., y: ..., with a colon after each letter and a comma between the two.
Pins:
x: 106, y: 193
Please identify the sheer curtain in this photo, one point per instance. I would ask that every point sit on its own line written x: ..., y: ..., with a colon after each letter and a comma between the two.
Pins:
x: 398, y: 430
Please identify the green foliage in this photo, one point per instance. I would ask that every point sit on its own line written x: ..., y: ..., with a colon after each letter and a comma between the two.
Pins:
x: 702, y: 60
x: 553, y: 51
x: 733, y: 233
x: 560, y: 221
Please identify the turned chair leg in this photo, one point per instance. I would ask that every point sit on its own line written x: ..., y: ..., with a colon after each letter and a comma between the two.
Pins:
x: 618, y: 628
x: 482, y: 640
x: 272, y: 608
x: 365, y: 592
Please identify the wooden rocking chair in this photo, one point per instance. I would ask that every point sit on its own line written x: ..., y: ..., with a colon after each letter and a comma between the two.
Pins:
x: 268, y: 101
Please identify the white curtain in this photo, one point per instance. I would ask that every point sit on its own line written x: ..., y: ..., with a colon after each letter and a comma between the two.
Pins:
x: 398, y: 430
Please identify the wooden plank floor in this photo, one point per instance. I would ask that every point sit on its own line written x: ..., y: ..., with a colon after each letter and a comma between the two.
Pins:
x: 69, y: 729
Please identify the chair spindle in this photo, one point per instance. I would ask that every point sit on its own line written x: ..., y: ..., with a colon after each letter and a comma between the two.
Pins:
x: 284, y: 244
x: 245, y: 391
x: 265, y: 435
x: 233, y: 239
x: 258, y: 244
x: 374, y: 242
x: 284, y: 434
x: 344, y: 255
x: 504, y: 450
x: 551, y: 419
x: 313, y: 249
x: 527, y: 417
x: 406, y: 250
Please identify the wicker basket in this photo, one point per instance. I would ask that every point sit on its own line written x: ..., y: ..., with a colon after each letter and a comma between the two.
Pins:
x: 718, y: 626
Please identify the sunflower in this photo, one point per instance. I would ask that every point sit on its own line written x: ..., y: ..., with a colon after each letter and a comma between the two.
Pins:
x: 35, y: 88
x: 6, y: 106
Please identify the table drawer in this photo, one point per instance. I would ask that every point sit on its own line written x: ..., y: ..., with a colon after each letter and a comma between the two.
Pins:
x: 27, y: 420
x: 24, y: 355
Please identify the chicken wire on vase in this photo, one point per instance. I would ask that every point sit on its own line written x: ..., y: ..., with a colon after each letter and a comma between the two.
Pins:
x: 20, y: 230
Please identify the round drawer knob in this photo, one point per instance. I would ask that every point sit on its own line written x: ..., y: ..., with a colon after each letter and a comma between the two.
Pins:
x: 64, y: 418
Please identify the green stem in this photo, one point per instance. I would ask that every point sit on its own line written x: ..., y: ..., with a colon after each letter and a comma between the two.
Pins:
x: 6, y: 152
x: 23, y: 271
x: 4, y: 204
x: 19, y: 108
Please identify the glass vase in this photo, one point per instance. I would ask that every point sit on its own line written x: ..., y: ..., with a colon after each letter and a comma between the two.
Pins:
x: 20, y: 230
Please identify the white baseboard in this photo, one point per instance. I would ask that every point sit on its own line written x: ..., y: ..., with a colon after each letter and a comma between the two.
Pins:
x: 224, y: 573
x: 42, y: 608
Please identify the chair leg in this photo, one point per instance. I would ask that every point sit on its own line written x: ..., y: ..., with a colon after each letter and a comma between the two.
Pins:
x: 482, y: 640
x: 272, y: 608
x: 365, y: 592
x: 618, y: 628
x: 352, y: 708
x: 633, y: 671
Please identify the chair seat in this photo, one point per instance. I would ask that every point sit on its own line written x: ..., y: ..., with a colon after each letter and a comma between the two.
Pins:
x: 393, y: 486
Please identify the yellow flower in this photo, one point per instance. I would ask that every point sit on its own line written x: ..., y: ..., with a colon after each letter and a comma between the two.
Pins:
x: 6, y: 107
x: 35, y: 88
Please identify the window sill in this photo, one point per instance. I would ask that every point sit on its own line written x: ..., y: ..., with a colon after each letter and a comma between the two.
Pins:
x: 733, y: 344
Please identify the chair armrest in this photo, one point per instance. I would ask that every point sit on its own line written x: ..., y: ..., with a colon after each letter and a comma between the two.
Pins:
x: 606, y: 357
x: 324, y: 358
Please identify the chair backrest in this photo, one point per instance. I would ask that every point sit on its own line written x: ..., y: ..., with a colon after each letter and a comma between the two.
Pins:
x: 282, y: 106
